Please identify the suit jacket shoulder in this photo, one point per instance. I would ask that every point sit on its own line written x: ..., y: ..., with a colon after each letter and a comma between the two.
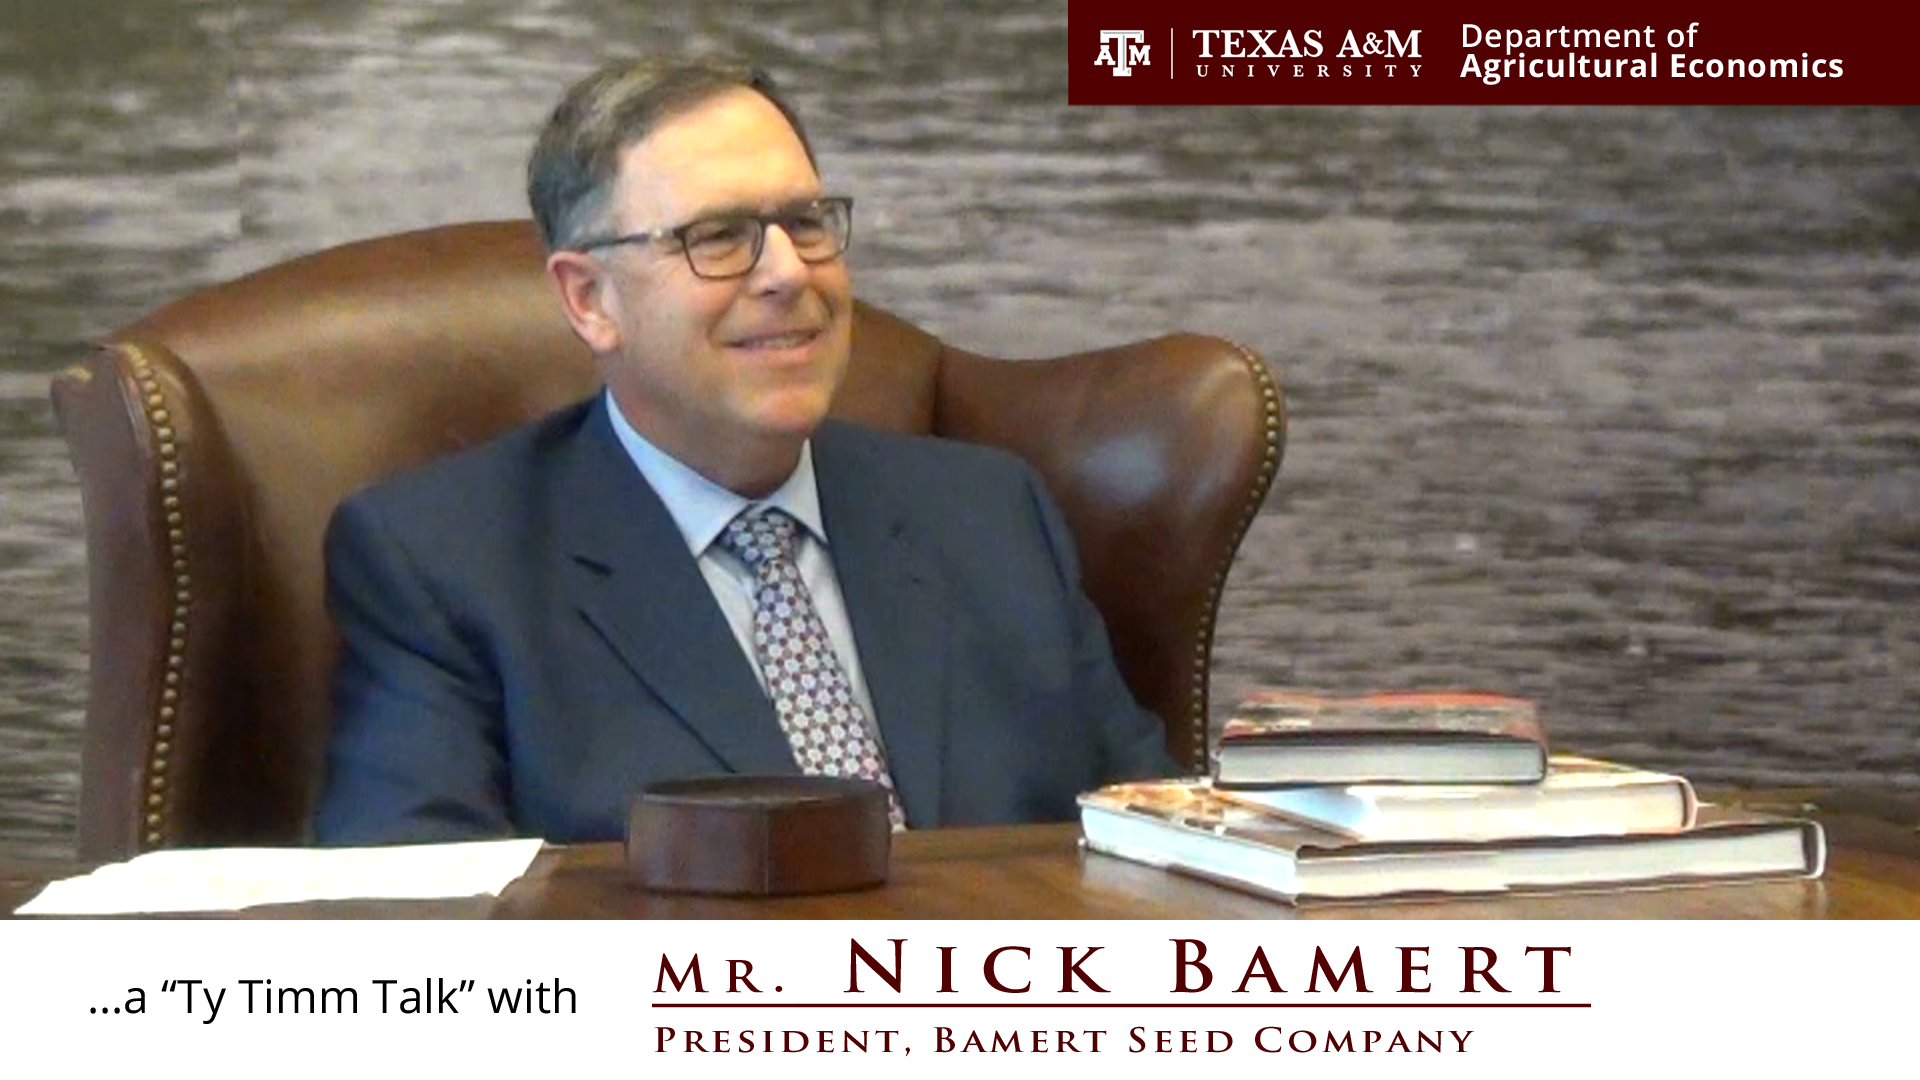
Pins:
x: 493, y: 484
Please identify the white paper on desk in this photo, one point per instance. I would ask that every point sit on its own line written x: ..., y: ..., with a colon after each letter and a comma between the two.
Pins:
x: 226, y: 879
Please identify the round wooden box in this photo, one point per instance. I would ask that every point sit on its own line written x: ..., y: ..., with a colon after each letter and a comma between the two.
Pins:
x: 759, y: 835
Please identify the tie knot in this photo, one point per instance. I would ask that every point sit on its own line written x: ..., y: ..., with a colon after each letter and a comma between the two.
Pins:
x: 758, y: 536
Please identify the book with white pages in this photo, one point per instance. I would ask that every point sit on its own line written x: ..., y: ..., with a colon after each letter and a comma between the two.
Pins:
x: 1580, y: 796
x: 1278, y: 736
x: 1189, y: 828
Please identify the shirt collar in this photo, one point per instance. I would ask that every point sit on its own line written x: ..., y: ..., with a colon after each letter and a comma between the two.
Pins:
x: 702, y: 508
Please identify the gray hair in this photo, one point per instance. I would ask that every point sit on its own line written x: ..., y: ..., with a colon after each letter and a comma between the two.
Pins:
x: 574, y: 163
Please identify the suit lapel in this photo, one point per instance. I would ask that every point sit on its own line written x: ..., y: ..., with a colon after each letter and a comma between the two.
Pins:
x: 633, y: 579
x: 898, y: 607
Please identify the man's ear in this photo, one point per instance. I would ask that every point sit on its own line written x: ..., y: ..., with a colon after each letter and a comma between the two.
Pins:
x: 588, y: 298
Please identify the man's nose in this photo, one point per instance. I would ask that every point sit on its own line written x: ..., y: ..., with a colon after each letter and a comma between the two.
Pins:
x: 780, y: 265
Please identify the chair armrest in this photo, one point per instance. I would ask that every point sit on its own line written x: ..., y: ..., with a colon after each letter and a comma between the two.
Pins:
x: 164, y: 560
x: 1160, y: 453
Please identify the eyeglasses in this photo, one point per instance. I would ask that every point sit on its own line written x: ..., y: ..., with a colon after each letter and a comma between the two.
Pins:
x: 729, y: 245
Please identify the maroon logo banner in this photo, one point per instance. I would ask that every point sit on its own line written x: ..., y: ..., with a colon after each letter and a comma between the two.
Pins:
x: 1462, y: 52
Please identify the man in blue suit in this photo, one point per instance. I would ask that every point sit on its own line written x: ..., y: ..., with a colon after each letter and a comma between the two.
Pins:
x: 536, y: 629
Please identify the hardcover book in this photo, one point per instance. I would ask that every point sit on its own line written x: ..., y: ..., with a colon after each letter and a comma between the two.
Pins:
x: 1187, y: 827
x: 1281, y: 737
x: 1579, y: 796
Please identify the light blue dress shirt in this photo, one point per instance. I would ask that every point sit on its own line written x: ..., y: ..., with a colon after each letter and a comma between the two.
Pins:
x: 702, y: 509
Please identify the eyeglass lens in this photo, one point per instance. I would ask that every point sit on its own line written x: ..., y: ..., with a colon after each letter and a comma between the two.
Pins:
x: 731, y: 246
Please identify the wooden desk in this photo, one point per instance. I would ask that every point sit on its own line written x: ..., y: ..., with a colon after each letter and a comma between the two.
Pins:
x: 1037, y: 872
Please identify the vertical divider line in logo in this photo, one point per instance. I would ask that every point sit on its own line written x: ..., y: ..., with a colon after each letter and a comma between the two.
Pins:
x: 1169, y: 52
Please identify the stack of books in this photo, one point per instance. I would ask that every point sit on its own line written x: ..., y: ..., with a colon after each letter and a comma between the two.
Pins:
x: 1319, y: 797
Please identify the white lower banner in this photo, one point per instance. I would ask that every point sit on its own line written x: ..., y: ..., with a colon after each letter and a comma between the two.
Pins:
x: 1367, y: 998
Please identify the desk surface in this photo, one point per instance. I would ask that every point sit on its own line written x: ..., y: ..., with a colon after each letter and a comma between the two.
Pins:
x: 1037, y: 872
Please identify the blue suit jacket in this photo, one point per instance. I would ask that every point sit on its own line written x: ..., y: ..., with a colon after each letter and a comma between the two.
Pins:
x: 527, y: 642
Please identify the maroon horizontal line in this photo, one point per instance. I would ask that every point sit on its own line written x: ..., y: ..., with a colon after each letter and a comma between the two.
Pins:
x: 1119, y: 1005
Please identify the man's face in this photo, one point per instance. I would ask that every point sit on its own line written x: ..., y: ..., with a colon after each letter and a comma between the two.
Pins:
x: 727, y: 375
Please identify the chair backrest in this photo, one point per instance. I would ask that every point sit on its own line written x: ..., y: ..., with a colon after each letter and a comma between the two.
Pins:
x: 214, y: 437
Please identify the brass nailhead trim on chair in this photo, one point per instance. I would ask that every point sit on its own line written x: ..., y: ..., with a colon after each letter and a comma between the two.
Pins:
x: 1256, y: 495
x: 159, y: 756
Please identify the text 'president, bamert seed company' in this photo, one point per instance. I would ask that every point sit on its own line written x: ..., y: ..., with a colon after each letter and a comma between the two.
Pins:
x: 1137, y: 1039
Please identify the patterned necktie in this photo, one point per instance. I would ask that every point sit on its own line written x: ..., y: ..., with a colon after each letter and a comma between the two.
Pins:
x: 824, y: 724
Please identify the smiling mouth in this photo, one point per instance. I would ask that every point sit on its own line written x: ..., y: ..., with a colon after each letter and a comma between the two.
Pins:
x: 789, y: 340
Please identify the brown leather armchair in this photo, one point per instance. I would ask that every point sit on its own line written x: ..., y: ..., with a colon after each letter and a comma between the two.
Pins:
x: 214, y: 437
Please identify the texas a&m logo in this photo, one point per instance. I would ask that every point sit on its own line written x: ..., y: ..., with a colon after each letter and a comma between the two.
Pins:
x: 1121, y: 49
